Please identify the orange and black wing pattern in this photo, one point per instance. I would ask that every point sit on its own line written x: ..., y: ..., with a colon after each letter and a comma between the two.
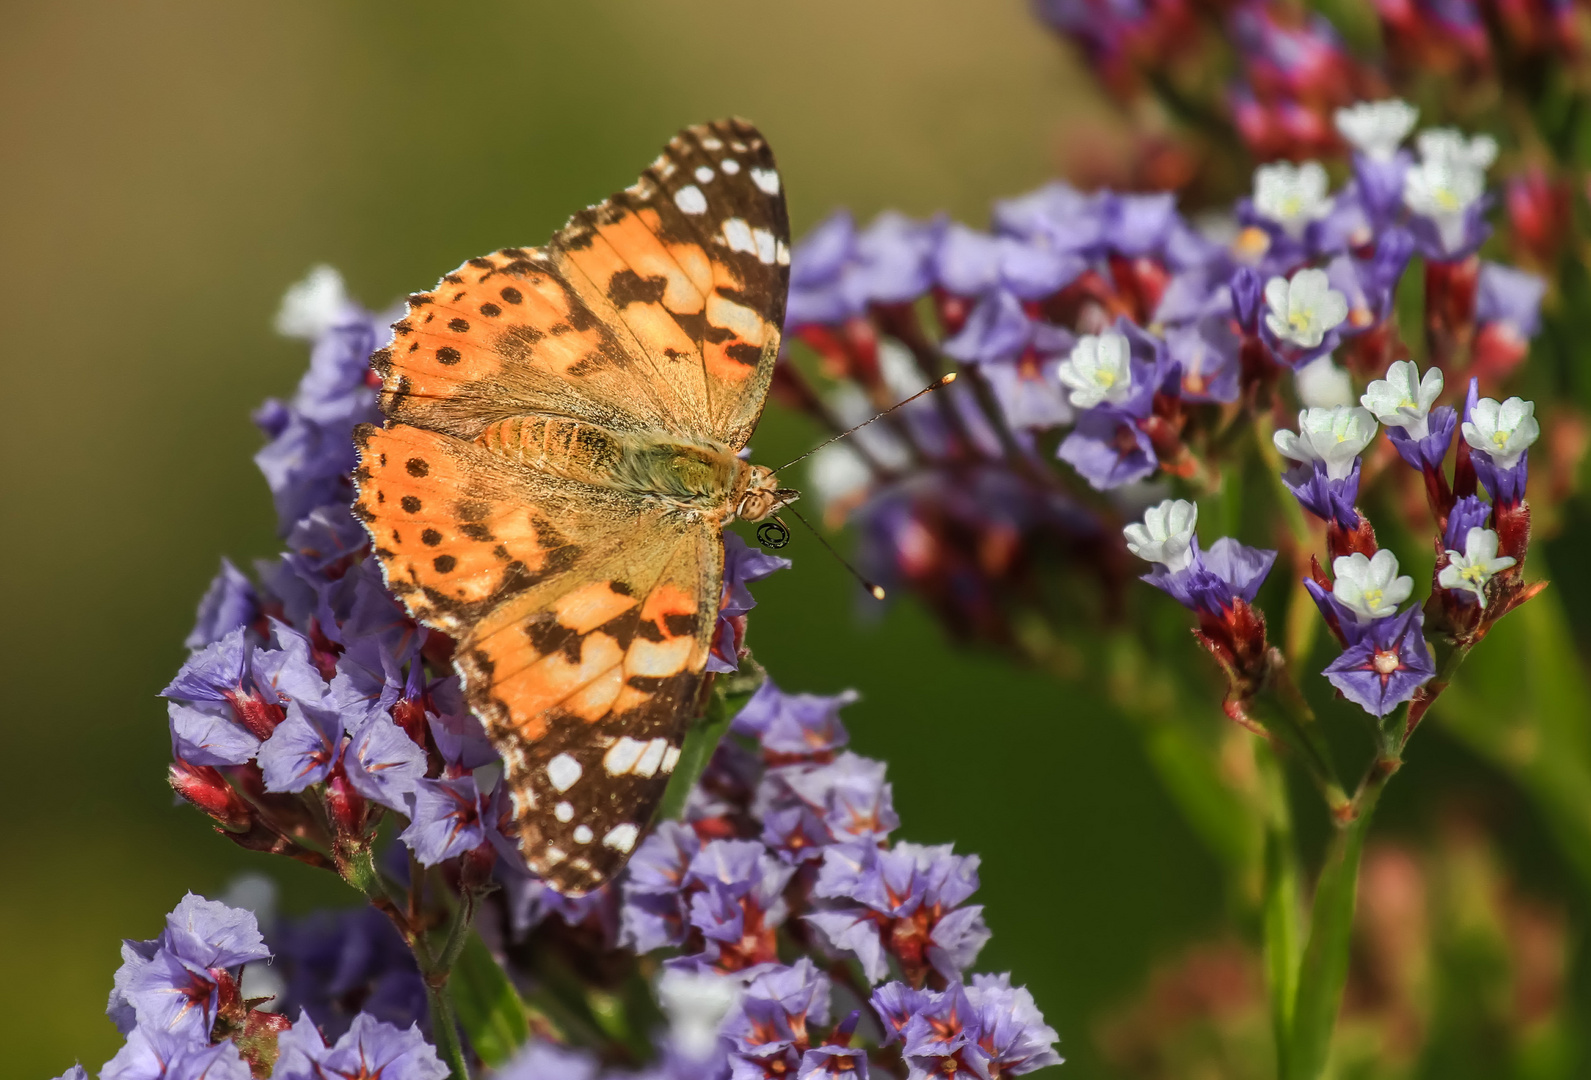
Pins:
x: 583, y: 611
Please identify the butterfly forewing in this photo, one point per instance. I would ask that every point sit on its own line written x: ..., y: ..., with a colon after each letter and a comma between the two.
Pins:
x: 583, y: 609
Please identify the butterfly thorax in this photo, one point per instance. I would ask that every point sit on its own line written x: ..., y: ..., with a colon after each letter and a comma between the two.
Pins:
x: 700, y: 478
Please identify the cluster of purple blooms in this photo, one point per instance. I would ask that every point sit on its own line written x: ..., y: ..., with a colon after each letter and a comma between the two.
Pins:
x: 311, y: 707
x: 178, y: 1001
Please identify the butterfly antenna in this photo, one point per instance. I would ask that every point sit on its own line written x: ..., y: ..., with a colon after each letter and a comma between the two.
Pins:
x: 876, y: 591
x: 943, y: 380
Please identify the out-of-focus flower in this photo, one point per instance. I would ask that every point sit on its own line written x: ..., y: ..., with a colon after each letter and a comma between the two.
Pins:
x: 369, y: 1049
x: 1166, y: 534
x: 1301, y: 314
x: 1291, y: 196
x: 1098, y: 372
x: 1377, y: 128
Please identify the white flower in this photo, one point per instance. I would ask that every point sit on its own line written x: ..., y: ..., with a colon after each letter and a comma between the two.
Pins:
x: 1166, y: 534
x: 1503, y: 431
x: 1333, y: 436
x: 1443, y: 189
x: 696, y: 1004
x: 1370, y: 588
x: 1099, y: 370
x: 1377, y: 128
x: 1403, y: 399
x: 1291, y: 195
x: 1476, y: 566
x: 1303, y: 309
x: 1450, y: 145
x: 1321, y: 384
x: 312, y: 306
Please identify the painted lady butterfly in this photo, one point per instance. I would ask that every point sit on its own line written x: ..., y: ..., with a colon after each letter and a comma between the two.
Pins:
x: 558, y: 463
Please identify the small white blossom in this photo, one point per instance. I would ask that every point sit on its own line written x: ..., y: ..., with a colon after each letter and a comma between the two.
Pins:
x: 1321, y: 384
x: 1503, y: 431
x: 1403, y: 399
x: 1302, y: 310
x: 1475, y: 566
x: 696, y: 1004
x: 312, y: 306
x: 1098, y: 371
x: 1370, y: 587
x: 1450, y: 145
x: 1333, y: 436
x: 1377, y: 128
x: 1291, y: 195
x: 1166, y: 534
x: 1449, y: 179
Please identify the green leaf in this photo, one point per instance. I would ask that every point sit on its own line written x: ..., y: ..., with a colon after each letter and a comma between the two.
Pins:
x: 488, y: 1006
x: 729, y: 696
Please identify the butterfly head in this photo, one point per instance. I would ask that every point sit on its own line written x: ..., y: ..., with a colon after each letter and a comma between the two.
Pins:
x: 763, y: 496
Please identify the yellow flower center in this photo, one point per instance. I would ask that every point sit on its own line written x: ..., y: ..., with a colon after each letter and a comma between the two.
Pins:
x: 1372, y: 598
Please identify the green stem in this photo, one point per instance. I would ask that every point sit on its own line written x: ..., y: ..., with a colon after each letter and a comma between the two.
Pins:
x: 1324, y: 970
x: 1285, y: 714
x: 1281, y: 908
x: 445, y: 1027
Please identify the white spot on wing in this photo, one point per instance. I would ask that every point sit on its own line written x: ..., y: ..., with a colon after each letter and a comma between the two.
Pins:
x: 652, y: 758
x: 690, y: 199
x: 711, y: 143
x: 730, y: 166
x: 563, y: 771
x: 782, y: 254
x: 556, y: 854
x: 665, y: 167
x: 621, y: 837
x: 563, y: 812
x: 622, y: 755
x: 738, y: 147
x: 704, y: 174
x: 738, y: 234
x: 767, y: 179
x: 765, y: 245
x: 670, y: 759
x: 583, y: 834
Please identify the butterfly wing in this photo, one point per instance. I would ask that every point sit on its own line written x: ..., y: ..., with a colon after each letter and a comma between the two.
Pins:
x: 658, y: 309
x: 583, y: 615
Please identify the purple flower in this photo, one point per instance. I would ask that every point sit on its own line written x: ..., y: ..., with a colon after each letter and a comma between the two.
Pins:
x: 971, y: 263
x: 1135, y: 225
x: 794, y: 723
x: 212, y: 935
x: 230, y: 602
x: 155, y: 1054
x: 736, y: 901
x: 892, y: 261
x: 1108, y: 450
x: 817, y: 274
x: 368, y: 1050
x: 906, y: 902
x: 1213, y: 580
x: 383, y: 763
x: 768, y: 1029
x: 1378, y: 183
x: 1011, y: 1031
x: 1383, y: 668
x: 997, y: 328
x: 1325, y: 496
x: 1511, y: 298
x: 461, y: 739
x: 1057, y: 214
x: 1208, y: 353
x: 807, y: 806
x: 353, y: 959
x: 833, y: 1063
x: 541, y: 1060
x: 76, y: 1072
x: 369, y: 681
x: 1470, y: 512
x: 1248, y: 294
x: 448, y: 818
x: 1426, y: 453
x: 743, y: 564
x: 209, y: 736
x: 303, y: 749
x: 895, y: 1003
x: 941, y: 1039
x: 654, y: 914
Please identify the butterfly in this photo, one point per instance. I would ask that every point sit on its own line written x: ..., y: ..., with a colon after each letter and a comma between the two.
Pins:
x: 559, y: 458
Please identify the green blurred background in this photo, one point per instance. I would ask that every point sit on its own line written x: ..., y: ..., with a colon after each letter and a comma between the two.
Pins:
x: 171, y: 166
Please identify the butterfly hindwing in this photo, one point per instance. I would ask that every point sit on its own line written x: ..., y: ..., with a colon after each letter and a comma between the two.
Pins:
x: 583, y: 616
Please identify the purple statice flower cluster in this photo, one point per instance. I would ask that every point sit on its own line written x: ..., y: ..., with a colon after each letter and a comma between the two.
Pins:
x: 311, y: 710
x: 178, y: 1001
x: 785, y: 841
